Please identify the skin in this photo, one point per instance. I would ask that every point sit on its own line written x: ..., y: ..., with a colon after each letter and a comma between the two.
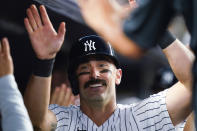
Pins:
x: 190, y: 124
x: 181, y: 60
x: 5, y: 58
x: 63, y: 96
x: 108, y: 24
x: 98, y: 99
x: 46, y: 42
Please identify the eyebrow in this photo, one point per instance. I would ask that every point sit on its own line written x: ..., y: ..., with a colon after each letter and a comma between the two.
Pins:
x: 82, y: 73
x: 82, y: 67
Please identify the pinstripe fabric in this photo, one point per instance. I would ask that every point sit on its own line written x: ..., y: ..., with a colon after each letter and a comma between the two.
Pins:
x: 149, y: 115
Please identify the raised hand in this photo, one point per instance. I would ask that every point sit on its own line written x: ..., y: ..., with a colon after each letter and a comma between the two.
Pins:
x: 6, y: 64
x: 97, y: 13
x: 45, y: 41
x: 103, y: 14
x: 63, y: 96
x: 105, y: 18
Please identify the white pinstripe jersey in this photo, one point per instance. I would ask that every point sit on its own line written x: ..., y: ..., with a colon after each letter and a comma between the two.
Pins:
x: 149, y: 115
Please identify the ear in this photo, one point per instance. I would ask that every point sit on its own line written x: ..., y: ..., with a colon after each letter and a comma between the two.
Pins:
x: 118, y: 76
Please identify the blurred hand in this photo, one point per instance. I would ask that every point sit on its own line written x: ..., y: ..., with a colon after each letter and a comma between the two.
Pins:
x: 6, y: 64
x: 108, y: 13
x: 105, y: 17
x: 63, y: 96
x: 123, y: 11
x: 45, y: 41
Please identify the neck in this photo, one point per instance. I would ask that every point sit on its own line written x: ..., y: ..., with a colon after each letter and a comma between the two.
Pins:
x: 98, y: 112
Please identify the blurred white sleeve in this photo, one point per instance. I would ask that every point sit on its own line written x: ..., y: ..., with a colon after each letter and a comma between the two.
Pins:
x: 12, y: 108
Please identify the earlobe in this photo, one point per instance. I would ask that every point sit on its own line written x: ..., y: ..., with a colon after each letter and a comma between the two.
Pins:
x: 118, y: 76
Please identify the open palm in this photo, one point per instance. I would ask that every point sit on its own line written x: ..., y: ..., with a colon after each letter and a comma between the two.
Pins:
x: 45, y: 41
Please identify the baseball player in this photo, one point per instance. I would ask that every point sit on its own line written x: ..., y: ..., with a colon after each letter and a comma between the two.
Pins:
x: 144, y: 26
x: 94, y: 73
x: 13, y: 112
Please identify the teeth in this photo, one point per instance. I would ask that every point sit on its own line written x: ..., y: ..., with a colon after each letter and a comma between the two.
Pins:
x: 95, y: 85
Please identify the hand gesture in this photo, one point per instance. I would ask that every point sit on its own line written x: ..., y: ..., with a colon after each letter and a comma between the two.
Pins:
x: 105, y: 18
x: 45, y: 41
x: 6, y: 64
x: 63, y: 96
x: 109, y: 14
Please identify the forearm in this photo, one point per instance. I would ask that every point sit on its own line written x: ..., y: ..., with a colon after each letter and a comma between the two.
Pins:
x: 120, y: 41
x: 13, y: 111
x: 179, y: 96
x: 37, y: 97
x: 181, y: 60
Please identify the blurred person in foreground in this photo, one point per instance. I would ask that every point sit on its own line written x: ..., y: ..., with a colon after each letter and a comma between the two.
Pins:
x: 13, y: 111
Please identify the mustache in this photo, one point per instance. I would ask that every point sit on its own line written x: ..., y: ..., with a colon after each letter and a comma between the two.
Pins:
x: 95, y: 81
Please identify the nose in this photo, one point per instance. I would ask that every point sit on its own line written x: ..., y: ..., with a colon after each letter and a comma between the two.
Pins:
x: 94, y: 73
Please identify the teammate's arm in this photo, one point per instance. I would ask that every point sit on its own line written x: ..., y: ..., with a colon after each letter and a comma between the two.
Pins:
x: 108, y: 24
x: 179, y: 96
x: 13, y: 112
x: 46, y: 42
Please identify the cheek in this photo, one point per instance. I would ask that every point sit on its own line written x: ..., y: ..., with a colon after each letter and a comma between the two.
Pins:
x: 107, y: 75
x: 110, y: 79
x: 81, y: 81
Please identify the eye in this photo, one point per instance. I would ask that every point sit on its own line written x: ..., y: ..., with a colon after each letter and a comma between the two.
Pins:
x: 84, y: 67
x: 83, y: 73
x: 83, y: 70
x: 105, y: 71
x: 102, y: 65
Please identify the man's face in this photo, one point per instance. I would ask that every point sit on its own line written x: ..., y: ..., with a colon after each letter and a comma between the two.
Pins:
x: 97, y: 80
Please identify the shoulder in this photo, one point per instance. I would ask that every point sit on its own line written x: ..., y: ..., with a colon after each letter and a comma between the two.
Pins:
x: 64, y: 115
x: 62, y: 109
x: 155, y: 101
x: 124, y: 106
x: 152, y: 113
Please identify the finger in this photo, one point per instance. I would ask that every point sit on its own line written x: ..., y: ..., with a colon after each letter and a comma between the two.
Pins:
x: 61, y: 30
x: 36, y: 15
x: 31, y: 19
x: 5, y: 47
x: 65, y: 101
x: 55, y: 95
x: 68, y: 96
x: 44, y: 16
x: 28, y: 26
x: 60, y: 98
x: 72, y: 100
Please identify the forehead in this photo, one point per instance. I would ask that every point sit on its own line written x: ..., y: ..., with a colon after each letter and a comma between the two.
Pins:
x: 95, y: 62
x: 89, y: 58
x: 97, y: 58
x: 99, y: 64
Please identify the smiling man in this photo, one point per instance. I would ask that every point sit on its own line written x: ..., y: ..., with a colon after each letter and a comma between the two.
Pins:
x: 94, y: 73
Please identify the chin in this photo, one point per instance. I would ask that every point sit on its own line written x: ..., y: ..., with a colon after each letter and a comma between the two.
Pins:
x: 97, y: 98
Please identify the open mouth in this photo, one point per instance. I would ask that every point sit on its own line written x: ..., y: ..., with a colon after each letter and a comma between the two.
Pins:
x: 95, y: 83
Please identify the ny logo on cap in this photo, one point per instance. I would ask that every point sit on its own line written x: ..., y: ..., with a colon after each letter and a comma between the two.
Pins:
x: 89, y: 45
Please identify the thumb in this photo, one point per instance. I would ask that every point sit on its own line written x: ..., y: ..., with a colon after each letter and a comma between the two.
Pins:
x: 61, y: 30
x: 5, y: 47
